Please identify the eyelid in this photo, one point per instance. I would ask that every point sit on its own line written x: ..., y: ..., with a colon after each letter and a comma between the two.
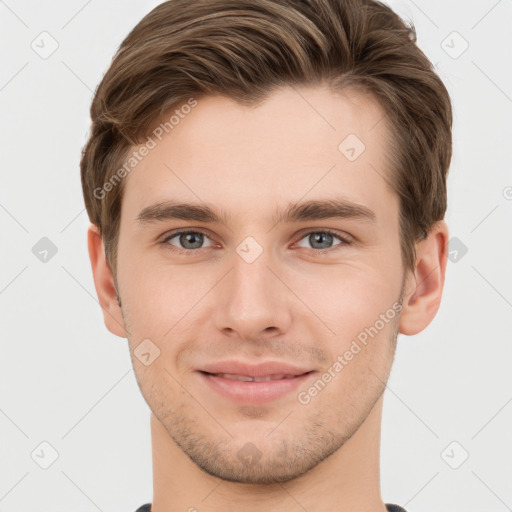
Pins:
x: 342, y: 235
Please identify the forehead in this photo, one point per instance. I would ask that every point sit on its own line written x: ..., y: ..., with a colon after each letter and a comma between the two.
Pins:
x: 298, y: 143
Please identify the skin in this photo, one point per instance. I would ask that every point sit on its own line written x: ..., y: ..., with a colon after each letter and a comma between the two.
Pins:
x: 290, y: 304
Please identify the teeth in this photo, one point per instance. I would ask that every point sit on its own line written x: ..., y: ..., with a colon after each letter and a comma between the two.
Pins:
x: 245, y: 378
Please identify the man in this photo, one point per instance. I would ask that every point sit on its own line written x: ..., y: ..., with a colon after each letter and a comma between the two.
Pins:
x: 266, y: 183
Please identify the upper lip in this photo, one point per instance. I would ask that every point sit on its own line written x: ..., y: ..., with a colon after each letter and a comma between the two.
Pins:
x: 262, y: 369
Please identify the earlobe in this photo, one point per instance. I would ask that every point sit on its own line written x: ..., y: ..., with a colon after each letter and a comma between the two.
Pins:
x: 104, y: 283
x: 424, y: 286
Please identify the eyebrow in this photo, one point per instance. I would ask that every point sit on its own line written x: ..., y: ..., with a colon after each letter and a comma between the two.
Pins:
x: 293, y: 212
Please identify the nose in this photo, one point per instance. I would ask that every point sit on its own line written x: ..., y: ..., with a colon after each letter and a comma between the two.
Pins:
x: 252, y: 301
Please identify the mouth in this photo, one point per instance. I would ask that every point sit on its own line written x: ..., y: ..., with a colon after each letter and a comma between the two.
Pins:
x: 253, y: 390
x: 247, y: 378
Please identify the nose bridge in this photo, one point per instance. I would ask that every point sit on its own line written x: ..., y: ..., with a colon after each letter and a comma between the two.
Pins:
x: 253, y: 298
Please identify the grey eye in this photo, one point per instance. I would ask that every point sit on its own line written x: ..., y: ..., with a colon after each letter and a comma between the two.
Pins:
x: 321, y: 240
x: 188, y: 240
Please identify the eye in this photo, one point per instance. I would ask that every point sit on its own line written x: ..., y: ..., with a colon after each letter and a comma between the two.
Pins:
x: 322, y: 240
x: 188, y: 241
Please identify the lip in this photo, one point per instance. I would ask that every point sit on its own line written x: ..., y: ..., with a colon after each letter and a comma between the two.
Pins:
x: 263, y: 369
x: 254, y: 393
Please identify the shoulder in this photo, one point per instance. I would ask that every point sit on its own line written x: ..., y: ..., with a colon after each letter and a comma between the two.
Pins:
x: 390, y: 506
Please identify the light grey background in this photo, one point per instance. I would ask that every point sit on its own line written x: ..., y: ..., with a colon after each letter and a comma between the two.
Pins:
x: 65, y: 380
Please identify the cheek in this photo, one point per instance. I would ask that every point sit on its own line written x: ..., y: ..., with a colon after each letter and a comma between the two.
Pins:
x: 156, y: 297
x: 349, y: 298
x: 359, y: 307
x: 173, y: 308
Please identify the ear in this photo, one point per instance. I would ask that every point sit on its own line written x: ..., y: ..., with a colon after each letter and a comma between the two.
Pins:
x: 424, y: 286
x: 104, y: 283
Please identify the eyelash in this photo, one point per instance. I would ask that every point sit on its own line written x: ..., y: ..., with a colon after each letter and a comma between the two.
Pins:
x: 344, y: 240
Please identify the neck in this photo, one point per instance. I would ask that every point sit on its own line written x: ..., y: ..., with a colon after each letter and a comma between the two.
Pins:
x: 348, y: 480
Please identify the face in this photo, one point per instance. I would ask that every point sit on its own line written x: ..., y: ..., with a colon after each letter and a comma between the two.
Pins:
x: 262, y: 278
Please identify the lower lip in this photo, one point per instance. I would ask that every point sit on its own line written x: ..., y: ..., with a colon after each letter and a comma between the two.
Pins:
x: 254, y: 393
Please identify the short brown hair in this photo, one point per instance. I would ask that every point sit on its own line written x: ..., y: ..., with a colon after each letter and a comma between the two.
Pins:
x: 243, y: 49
